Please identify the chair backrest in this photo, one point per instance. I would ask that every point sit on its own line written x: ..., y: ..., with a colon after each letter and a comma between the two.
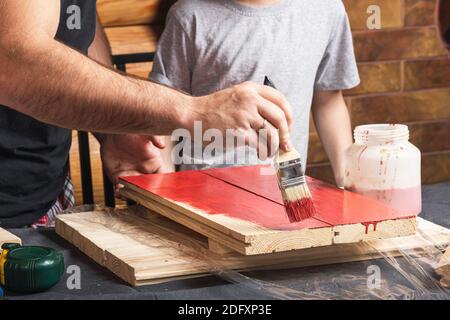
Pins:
x: 120, y: 62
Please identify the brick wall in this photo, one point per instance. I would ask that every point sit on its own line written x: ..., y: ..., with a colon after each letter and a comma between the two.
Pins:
x: 404, y: 68
x: 405, y: 78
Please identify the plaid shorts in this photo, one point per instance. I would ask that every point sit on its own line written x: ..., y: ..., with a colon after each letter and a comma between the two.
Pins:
x: 66, y: 199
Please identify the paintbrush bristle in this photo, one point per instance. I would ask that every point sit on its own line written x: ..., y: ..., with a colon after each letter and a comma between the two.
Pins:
x: 295, y: 191
x: 298, y: 203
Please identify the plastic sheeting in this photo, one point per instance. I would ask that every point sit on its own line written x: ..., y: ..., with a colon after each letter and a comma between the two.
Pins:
x: 408, y: 275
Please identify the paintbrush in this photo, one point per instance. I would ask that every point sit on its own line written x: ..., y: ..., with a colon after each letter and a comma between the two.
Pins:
x: 292, y: 182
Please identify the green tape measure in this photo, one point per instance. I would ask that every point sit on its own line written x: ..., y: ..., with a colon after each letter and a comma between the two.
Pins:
x: 29, y: 269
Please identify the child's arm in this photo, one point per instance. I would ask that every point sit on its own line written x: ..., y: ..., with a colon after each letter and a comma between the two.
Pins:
x: 333, y: 125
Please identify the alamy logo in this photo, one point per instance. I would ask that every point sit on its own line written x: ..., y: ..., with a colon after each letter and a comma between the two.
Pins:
x: 74, y: 279
x: 374, y: 277
x: 374, y: 20
x: 74, y: 20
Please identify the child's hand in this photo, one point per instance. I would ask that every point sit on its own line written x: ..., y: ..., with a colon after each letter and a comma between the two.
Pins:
x: 248, y: 108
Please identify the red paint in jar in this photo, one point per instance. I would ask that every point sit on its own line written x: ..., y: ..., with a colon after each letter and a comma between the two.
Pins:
x: 407, y: 201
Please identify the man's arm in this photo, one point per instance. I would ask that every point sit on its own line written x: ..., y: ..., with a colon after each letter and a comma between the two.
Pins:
x: 55, y: 84
x: 334, y: 128
x: 124, y: 154
x: 100, y: 49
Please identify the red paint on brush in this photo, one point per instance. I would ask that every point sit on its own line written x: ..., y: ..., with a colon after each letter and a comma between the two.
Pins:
x: 250, y: 193
x: 300, y: 210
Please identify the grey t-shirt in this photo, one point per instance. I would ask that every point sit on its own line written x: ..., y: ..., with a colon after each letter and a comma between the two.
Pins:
x: 301, y: 45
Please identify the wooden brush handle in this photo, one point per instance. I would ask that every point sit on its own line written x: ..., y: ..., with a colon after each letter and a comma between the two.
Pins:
x: 283, y: 156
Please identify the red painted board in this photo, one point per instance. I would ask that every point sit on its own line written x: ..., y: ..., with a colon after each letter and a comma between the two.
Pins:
x: 260, y: 180
x: 214, y: 196
x: 251, y: 194
x: 333, y: 205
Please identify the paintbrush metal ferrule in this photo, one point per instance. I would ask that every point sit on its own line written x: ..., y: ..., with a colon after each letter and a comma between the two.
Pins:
x: 290, y: 173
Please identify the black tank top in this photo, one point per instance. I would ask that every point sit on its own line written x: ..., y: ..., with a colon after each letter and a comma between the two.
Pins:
x: 34, y: 156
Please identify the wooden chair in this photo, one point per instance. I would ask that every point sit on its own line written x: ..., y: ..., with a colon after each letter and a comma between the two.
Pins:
x: 120, y: 62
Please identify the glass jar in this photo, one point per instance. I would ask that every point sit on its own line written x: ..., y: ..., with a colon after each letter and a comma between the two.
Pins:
x: 382, y: 164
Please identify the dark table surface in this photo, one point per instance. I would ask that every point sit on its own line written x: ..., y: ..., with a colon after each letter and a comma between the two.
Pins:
x: 350, y: 280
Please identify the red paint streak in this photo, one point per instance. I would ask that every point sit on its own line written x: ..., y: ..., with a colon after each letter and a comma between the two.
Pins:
x: 205, y: 191
x: 300, y: 210
x: 367, y: 224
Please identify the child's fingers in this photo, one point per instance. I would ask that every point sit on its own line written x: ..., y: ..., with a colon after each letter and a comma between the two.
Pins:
x: 278, y: 99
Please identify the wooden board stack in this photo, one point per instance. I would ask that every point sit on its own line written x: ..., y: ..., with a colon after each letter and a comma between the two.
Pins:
x: 241, y: 208
x: 142, y: 247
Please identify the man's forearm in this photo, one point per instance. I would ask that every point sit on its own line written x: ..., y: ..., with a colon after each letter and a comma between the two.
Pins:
x: 100, y: 50
x: 334, y: 128
x: 57, y: 85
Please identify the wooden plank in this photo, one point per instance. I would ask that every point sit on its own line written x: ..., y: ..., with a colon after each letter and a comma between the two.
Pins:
x: 8, y: 237
x: 269, y: 241
x: 241, y: 208
x: 285, y: 241
x: 142, y: 247
x: 133, y: 39
x: 132, y: 12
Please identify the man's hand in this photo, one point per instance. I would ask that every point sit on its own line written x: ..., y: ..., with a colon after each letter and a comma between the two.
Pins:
x: 129, y: 155
x: 247, y: 108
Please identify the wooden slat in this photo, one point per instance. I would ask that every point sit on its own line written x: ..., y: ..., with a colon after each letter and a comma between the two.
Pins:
x: 132, y: 12
x: 270, y: 242
x: 144, y: 248
x: 133, y: 39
